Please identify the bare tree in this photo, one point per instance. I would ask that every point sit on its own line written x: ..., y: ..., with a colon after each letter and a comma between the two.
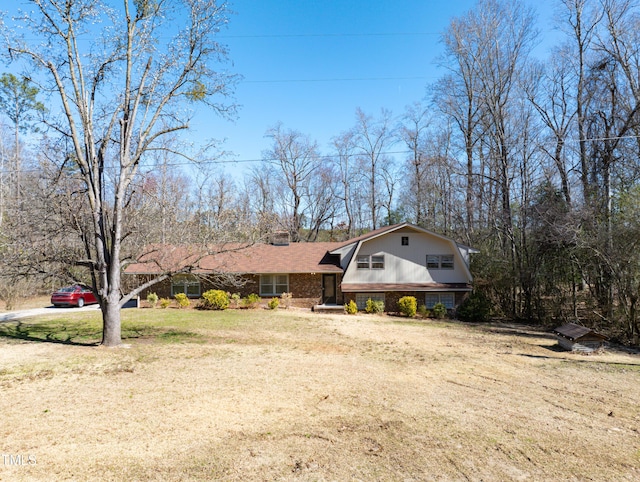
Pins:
x: 296, y: 156
x: 413, y: 131
x: 322, y: 201
x: 160, y: 204
x: 550, y: 92
x: 371, y: 139
x: 259, y: 195
x: 344, y: 160
x: 120, y: 94
x: 489, y: 46
x: 458, y: 95
x: 580, y: 19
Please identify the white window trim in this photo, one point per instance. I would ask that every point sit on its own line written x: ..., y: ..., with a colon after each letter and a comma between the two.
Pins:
x: 186, y: 281
x: 450, y: 295
x: 360, y: 259
x: 274, y: 283
x: 380, y: 258
x: 440, y: 261
x: 361, y: 299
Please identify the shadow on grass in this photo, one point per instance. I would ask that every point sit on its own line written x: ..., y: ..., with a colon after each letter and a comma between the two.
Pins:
x: 46, y: 334
x: 80, y: 334
x: 589, y: 358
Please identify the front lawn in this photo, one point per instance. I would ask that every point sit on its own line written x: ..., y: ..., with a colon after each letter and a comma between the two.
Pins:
x: 292, y: 395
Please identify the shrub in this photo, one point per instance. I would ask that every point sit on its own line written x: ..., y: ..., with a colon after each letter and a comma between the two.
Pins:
x: 286, y: 299
x: 423, y: 311
x: 182, y: 299
x: 351, y: 308
x: 235, y: 300
x: 215, y: 300
x: 251, y: 301
x: 164, y: 303
x: 439, y: 311
x: 152, y: 299
x: 273, y: 303
x: 374, y: 306
x: 408, y: 306
x: 476, y: 308
x: 13, y: 291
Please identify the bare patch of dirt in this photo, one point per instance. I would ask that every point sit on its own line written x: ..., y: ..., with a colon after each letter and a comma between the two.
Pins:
x: 302, y: 396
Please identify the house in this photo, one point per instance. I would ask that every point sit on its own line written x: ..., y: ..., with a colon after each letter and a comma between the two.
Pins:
x: 579, y: 338
x: 385, y: 264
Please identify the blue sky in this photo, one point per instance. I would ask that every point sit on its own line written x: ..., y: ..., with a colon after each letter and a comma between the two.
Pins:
x: 310, y: 64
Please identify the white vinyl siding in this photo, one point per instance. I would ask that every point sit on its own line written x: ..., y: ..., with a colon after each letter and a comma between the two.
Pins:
x: 361, y: 299
x: 447, y: 299
x: 406, y: 264
x: 274, y: 284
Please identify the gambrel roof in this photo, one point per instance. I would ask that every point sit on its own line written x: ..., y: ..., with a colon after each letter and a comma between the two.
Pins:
x: 349, y: 249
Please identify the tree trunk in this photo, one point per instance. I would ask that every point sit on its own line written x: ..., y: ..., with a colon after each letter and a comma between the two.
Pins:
x: 111, y: 331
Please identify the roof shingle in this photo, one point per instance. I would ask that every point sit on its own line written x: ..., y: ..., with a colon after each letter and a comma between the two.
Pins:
x: 236, y: 258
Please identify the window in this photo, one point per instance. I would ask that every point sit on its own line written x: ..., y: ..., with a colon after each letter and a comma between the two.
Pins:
x: 361, y: 299
x: 274, y: 284
x: 446, y: 261
x: 405, y: 240
x: 363, y: 261
x: 435, y: 261
x: 447, y: 299
x: 185, y: 283
x: 377, y: 262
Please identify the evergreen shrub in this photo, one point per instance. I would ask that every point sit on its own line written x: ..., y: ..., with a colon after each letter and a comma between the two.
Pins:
x: 408, y: 306
x: 215, y: 300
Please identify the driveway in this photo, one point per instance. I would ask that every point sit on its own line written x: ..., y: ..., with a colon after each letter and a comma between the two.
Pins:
x: 49, y: 310
x: 52, y: 310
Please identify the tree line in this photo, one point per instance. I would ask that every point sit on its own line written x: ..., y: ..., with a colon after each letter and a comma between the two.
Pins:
x: 535, y: 162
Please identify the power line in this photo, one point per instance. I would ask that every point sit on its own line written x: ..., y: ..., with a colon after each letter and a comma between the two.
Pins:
x: 228, y: 161
x: 319, y: 158
x: 352, y: 79
x: 330, y: 35
x: 289, y: 36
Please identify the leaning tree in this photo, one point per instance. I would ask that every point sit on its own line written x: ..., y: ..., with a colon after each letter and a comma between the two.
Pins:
x: 123, y: 74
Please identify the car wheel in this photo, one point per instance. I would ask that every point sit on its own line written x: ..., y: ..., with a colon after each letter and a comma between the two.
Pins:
x: 80, y: 302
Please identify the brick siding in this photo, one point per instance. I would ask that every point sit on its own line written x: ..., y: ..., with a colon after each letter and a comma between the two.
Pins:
x: 306, y: 288
x: 391, y: 298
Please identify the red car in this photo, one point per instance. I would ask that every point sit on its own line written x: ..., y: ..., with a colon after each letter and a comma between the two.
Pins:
x: 76, y: 295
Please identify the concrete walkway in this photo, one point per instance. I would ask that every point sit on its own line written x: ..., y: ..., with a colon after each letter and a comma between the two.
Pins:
x: 49, y: 310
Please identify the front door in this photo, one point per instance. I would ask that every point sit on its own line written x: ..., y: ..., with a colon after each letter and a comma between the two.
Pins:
x: 329, y: 289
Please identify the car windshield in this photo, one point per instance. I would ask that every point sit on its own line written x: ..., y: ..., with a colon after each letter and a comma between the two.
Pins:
x: 68, y: 289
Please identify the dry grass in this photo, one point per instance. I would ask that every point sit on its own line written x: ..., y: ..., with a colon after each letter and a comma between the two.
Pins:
x: 26, y: 303
x: 298, y: 396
